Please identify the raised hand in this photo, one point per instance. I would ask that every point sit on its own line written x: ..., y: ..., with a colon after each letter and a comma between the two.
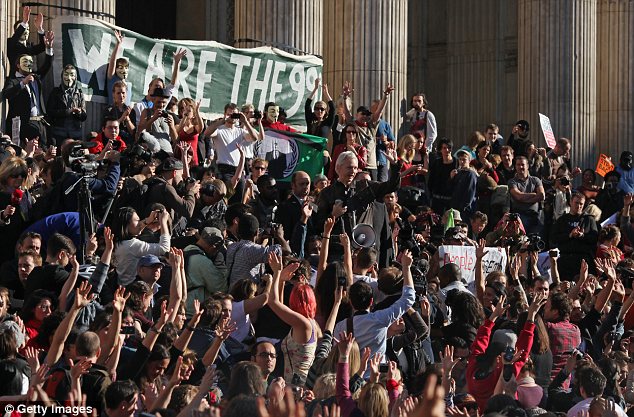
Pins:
x: 224, y: 328
x: 406, y: 259
x: 118, y: 36
x: 345, y: 344
x: 108, y: 238
x: 388, y: 89
x: 83, y: 297
x: 80, y: 368
x: 120, y: 298
x: 499, y: 309
x: 179, y: 372
x: 374, y: 364
x: 328, y: 225
x: 26, y: 14
x: 365, y: 358
x: 31, y: 355
x: 447, y: 360
x: 538, y: 302
x: 275, y: 261
x: 481, y: 249
x: 39, y: 22
x: 178, y: 55
x: 425, y: 307
x: 628, y: 199
x: 289, y: 271
x: 49, y: 37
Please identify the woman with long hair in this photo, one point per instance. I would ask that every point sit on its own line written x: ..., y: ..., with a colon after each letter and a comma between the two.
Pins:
x: 190, y: 126
x: 607, y: 246
x: 541, y: 355
x: 408, y: 145
x: 15, y: 204
x: 352, y: 144
x: 483, y: 367
x: 298, y: 347
x: 320, y: 119
x: 467, y: 315
x: 128, y: 248
x: 38, y: 306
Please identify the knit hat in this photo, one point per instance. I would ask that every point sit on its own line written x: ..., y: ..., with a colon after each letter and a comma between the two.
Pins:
x: 504, y: 337
x: 11, y: 326
x: 529, y: 394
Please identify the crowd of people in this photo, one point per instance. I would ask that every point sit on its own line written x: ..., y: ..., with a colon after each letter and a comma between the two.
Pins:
x: 157, y: 267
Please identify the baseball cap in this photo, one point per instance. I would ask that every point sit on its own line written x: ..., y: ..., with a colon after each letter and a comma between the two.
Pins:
x: 149, y: 260
x: 12, y: 326
x: 159, y: 92
x: 170, y: 164
x: 364, y: 110
x: 211, y: 235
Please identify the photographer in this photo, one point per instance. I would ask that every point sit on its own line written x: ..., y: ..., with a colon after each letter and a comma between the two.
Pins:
x: 576, y: 235
x: 77, y: 164
x: 157, y: 127
x: 108, y: 138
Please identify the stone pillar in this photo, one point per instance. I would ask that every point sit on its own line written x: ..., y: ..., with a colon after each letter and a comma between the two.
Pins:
x: 365, y: 42
x: 557, y: 59
x: 205, y: 20
x: 615, y: 78
x: 291, y: 25
x: 418, y: 34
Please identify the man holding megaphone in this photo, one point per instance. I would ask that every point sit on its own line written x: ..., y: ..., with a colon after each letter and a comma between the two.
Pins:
x: 350, y: 199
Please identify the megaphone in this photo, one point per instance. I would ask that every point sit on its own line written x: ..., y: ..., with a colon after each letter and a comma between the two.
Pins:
x: 363, y: 236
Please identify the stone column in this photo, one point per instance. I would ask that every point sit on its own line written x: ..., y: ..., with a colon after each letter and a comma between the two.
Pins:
x: 615, y: 77
x: 205, y: 20
x: 365, y: 42
x: 557, y: 62
x: 291, y: 25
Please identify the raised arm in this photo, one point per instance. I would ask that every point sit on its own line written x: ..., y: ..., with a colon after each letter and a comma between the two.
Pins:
x: 199, y: 125
x: 347, y: 92
x: 185, y: 337
x: 347, y: 258
x: 239, y: 169
x: 325, y: 241
x: 288, y: 316
x: 82, y: 299
x: 315, y: 88
x: 252, y: 305
x: 175, y: 258
x: 479, y: 276
x: 118, y: 303
x: 223, y: 330
x: 178, y: 56
x: 113, y: 56
x: 379, y: 109
x: 69, y: 284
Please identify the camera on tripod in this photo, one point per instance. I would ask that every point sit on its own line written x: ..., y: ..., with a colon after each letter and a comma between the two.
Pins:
x: 534, y: 243
x: 83, y: 163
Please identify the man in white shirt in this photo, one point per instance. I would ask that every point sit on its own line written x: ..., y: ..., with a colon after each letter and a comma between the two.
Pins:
x: 591, y: 385
x: 226, y: 135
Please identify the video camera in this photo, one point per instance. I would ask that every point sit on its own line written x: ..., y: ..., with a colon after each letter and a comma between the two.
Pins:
x: 81, y: 162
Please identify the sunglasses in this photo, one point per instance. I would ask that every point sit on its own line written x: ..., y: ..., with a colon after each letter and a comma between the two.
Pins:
x: 320, y: 109
x: 18, y: 175
x: 260, y: 168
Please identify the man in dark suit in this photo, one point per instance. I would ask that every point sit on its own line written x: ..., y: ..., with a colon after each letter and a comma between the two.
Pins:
x: 24, y: 92
x: 17, y: 44
x: 290, y: 211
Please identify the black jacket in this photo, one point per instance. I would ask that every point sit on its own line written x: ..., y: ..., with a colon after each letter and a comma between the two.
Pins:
x: 19, y: 98
x: 15, y: 48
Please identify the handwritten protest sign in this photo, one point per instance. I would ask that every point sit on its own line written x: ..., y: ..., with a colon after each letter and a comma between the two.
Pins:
x: 604, y: 165
x: 544, y: 121
x: 465, y: 257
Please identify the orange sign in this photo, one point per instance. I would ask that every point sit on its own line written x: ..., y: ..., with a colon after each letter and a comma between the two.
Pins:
x: 604, y: 165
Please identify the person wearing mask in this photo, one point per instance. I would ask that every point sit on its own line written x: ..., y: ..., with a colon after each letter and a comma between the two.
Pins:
x: 66, y: 107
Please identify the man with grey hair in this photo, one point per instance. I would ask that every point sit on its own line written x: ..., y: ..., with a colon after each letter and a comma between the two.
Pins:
x: 349, y: 201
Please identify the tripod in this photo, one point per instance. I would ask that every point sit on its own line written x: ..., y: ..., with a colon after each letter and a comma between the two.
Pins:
x: 84, y: 208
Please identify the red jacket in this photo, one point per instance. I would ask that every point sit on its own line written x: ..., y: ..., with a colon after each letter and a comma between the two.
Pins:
x: 100, y: 144
x: 482, y: 389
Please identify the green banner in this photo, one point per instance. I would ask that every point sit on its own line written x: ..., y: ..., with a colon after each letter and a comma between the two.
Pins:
x: 290, y: 152
x: 211, y: 72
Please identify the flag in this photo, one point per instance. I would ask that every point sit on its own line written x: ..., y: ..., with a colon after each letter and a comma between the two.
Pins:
x: 288, y: 152
x: 610, y: 220
x: 450, y: 220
